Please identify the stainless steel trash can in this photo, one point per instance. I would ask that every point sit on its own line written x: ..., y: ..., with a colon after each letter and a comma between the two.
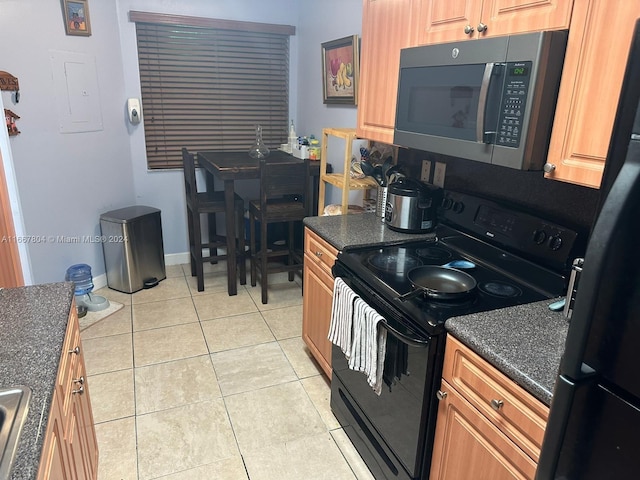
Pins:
x: 132, y: 246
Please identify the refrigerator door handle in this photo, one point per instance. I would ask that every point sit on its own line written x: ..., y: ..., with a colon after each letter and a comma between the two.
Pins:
x: 576, y: 270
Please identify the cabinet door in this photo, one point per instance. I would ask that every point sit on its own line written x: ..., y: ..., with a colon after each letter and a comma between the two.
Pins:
x: 316, y: 312
x: 386, y: 28
x: 54, y: 464
x: 467, y: 445
x: 83, y: 449
x: 446, y: 21
x: 77, y: 444
x: 508, y: 17
x: 597, y: 50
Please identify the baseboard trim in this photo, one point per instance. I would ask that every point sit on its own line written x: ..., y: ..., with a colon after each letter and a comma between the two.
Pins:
x: 100, y: 281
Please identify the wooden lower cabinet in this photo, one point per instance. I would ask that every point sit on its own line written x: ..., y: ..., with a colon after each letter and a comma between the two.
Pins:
x: 488, y: 427
x: 467, y: 445
x: 70, y: 450
x: 319, y: 257
x: 54, y: 460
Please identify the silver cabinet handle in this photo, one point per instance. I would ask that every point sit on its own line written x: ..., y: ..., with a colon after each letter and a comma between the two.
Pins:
x: 482, y: 27
x: 441, y: 395
x: 549, y: 167
x: 496, y: 404
x: 79, y: 380
x: 318, y: 254
x: 468, y: 29
x: 75, y: 350
x: 79, y: 391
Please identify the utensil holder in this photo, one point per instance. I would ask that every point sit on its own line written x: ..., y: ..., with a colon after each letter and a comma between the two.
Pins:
x: 382, y: 201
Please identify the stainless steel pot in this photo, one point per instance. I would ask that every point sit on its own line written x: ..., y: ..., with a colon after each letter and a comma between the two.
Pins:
x: 412, y: 206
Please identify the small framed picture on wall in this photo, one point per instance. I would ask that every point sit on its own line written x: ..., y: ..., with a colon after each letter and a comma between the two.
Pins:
x: 340, y: 68
x: 76, y: 17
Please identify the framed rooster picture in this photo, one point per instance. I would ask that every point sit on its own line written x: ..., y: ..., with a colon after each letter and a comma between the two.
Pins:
x: 340, y: 71
x: 76, y: 17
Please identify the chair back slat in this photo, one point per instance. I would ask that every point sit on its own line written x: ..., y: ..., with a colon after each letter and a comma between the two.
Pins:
x: 189, y: 167
x: 280, y: 180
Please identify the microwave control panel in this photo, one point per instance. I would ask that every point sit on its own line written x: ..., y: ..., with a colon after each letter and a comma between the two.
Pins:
x: 514, y: 98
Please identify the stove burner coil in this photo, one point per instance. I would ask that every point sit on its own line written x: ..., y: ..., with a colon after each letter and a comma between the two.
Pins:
x: 397, y: 263
x: 434, y: 253
x: 501, y: 289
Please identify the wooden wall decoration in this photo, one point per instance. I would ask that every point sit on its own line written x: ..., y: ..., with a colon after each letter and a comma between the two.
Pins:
x: 11, y: 118
x: 8, y: 82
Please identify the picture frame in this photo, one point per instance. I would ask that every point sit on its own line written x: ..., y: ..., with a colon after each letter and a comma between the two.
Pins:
x: 76, y: 17
x: 341, y: 71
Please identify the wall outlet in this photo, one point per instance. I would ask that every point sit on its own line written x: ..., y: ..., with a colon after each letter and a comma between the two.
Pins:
x: 438, y: 174
x: 425, y: 173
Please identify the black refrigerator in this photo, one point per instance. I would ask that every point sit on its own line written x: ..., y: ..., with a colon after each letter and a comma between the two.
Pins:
x: 594, y: 422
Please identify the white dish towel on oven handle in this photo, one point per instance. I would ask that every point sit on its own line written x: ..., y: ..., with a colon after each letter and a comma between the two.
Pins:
x: 354, y: 328
x: 342, y: 316
x: 368, y: 344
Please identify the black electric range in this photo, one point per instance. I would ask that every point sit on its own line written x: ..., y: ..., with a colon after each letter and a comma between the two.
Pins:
x: 503, y: 279
x: 518, y: 258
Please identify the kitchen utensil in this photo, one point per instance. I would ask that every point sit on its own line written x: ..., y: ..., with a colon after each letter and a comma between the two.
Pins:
x: 463, y: 264
x: 367, y: 168
x: 440, y: 283
x: 377, y: 174
x: 388, y: 163
x: 394, y: 169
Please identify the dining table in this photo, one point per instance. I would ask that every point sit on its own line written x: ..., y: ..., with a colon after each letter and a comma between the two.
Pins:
x: 229, y: 166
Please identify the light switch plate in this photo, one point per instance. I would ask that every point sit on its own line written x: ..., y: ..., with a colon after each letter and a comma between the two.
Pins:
x: 438, y: 174
x: 425, y: 173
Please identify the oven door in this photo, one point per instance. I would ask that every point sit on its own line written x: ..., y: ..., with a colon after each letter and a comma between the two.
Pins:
x: 393, y: 432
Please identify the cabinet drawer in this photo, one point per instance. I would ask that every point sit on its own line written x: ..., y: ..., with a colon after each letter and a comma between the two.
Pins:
x: 319, y: 251
x: 518, y: 414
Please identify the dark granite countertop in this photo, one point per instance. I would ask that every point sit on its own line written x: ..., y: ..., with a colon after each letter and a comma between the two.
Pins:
x: 524, y: 342
x: 33, y: 323
x: 355, y: 230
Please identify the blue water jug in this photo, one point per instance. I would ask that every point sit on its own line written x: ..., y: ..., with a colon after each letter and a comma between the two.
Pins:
x: 80, y: 275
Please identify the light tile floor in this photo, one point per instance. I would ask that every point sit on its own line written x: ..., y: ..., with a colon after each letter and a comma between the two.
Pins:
x: 199, y: 385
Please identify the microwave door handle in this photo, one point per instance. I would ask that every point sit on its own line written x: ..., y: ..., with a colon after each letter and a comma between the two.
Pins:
x: 482, y: 101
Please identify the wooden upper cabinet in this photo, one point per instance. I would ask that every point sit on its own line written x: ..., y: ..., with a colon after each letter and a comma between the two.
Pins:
x: 597, y: 50
x: 471, y: 19
x: 386, y: 28
x: 446, y: 21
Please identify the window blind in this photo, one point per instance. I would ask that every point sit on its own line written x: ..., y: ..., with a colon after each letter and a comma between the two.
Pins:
x: 206, y: 87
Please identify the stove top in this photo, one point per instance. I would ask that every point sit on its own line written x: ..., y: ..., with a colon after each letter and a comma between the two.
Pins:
x: 503, y: 278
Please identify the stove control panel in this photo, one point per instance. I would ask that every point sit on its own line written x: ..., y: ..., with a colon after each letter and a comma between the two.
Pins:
x: 525, y: 234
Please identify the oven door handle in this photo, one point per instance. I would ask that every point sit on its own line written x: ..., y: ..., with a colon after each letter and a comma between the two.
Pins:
x: 409, y: 340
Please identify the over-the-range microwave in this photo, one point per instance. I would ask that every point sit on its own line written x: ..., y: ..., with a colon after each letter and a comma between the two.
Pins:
x: 490, y: 100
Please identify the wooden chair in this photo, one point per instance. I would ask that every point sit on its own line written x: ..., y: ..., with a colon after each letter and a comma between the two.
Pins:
x: 283, y: 198
x: 210, y: 203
